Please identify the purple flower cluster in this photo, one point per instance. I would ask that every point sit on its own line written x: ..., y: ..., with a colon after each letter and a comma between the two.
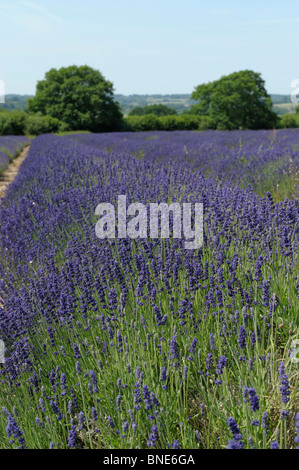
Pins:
x: 285, y: 386
x: 13, y: 431
x: 236, y: 442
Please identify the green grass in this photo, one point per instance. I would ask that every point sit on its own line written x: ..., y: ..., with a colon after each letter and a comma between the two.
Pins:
x: 71, y: 132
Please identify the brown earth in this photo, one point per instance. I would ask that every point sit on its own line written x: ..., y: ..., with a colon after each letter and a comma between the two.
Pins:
x: 11, y: 172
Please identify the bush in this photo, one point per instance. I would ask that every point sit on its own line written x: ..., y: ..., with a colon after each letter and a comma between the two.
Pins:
x: 37, y: 124
x: 168, y: 123
x: 184, y: 122
x: 288, y: 120
x: 180, y: 123
x: 147, y: 122
x: 21, y: 123
x: 12, y: 123
x: 156, y: 109
x: 206, y: 122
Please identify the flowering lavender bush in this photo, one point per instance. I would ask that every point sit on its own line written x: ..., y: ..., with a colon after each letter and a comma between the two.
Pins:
x: 265, y: 160
x: 10, y: 147
x: 4, y: 161
x: 139, y: 342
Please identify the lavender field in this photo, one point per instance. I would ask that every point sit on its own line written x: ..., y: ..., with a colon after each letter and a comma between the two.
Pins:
x: 10, y: 147
x: 141, y: 343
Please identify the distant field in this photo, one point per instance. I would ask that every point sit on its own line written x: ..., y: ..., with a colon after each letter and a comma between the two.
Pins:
x: 284, y: 108
x: 179, y: 102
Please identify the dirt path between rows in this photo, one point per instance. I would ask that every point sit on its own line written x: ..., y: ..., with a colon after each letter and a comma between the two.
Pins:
x: 11, y: 172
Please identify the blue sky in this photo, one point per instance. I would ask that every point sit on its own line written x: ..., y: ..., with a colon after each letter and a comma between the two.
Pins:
x: 160, y: 46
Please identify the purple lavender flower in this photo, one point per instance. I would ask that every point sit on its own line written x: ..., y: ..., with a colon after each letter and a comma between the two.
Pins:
x: 274, y: 445
x: 111, y: 422
x: 153, y: 437
x: 221, y: 364
x: 265, y: 421
x: 255, y: 422
x: 94, y: 381
x: 125, y: 426
x: 297, y: 430
x: 12, y: 429
x: 77, y: 354
x: 174, y: 348
x: 163, y: 374
x: 212, y: 341
x: 209, y: 361
x: 285, y: 386
x: 94, y: 414
x: 39, y: 422
x: 78, y: 368
x: 147, y: 398
x: 237, y: 436
x: 242, y: 337
x: 235, y: 444
x: 55, y: 410
x: 72, y: 438
x: 175, y: 444
x: 63, y: 384
x: 81, y: 419
x: 155, y: 399
x: 118, y: 402
x: 253, y: 399
x: 284, y: 414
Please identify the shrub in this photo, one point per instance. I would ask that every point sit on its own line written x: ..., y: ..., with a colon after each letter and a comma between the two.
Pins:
x: 206, y: 122
x: 184, y: 122
x: 168, y: 123
x: 288, y: 120
x: 37, y: 124
x: 181, y: 123
x: 147, y: 122
x: 12, y: 123
x: 156, y: 109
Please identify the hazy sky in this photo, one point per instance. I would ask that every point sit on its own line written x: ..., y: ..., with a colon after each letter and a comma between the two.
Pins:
x: 158, y: 46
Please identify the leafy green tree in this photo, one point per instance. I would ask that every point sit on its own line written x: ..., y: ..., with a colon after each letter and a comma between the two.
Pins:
x: 79, y: 96
x: 155, y: 109
x: 297, y: 110
x: 238, y: 100
x: 137, y: 111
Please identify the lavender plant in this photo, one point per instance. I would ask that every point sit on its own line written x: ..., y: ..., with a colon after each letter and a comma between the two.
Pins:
x: 139, y: 342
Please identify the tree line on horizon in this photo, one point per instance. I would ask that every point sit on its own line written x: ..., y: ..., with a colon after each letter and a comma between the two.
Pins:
x: 80, y: 98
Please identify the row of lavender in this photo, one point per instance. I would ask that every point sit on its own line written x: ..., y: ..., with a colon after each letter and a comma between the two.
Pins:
x: 10, y: 147
x: 139, y: 343
x: 267, y: 160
